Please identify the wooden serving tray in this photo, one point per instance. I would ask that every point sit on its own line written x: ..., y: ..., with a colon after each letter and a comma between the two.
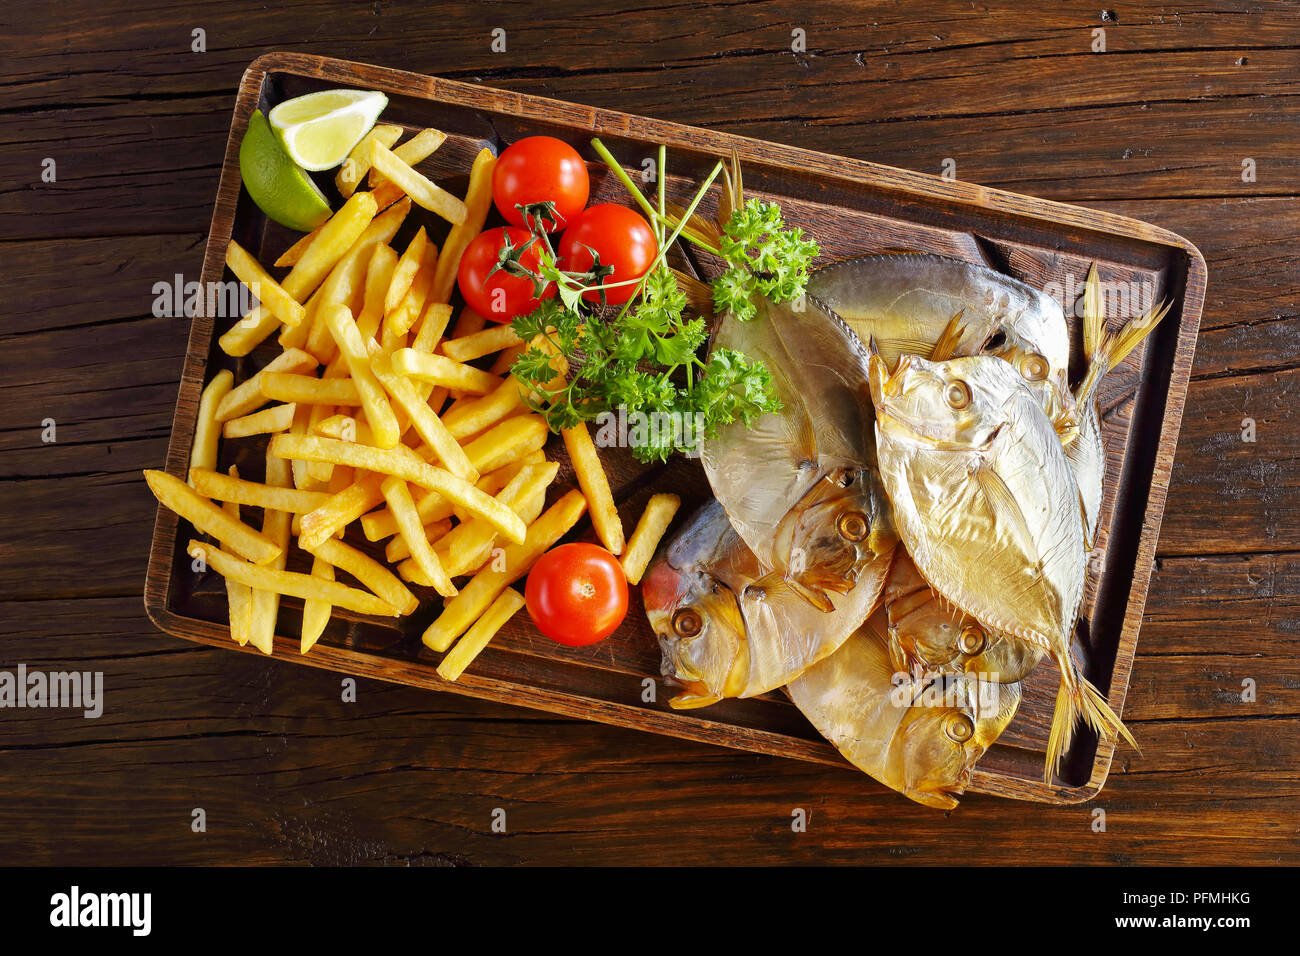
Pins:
x: 851, y: 208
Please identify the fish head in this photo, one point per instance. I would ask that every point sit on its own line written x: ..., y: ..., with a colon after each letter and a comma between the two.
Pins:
x: 945, y: 732
x: 840, y: 528
x: 701, y: 633
x: 956, y: 404
x: 1048, y: 381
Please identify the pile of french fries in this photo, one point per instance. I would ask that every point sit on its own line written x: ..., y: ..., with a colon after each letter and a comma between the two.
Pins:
x: 358, y: 433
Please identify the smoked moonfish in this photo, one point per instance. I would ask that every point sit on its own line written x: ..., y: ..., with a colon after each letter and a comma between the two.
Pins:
x: 800, y: 485
x: 727, y: 627
x: 921, y: 739
x: 987, y: 507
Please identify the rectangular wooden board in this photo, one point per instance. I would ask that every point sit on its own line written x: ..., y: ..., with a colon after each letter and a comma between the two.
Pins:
x: 852, y: 208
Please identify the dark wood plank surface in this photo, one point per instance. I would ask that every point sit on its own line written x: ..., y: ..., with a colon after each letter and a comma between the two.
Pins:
x: 1157, y: 127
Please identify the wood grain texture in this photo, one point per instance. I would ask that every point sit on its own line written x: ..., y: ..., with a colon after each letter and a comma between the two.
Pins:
x: 407, y: 777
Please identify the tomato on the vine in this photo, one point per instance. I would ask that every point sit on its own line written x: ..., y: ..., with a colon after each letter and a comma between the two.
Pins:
x: 540, y: 169
x: 577, y: 594
x: 498, y: 295
x: 620, y: 237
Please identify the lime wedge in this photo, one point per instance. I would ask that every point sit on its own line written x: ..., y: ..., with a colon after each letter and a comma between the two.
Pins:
x: 280, y: 189
x: 319, y: 130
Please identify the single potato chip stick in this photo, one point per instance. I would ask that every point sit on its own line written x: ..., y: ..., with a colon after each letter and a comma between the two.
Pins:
x: 369, y: 572
x: 414, y: 151
x: 595, y: 485
x: 207, y: 518
x: 441, y: 370
x: 277, y: 418
x: 207, y: 434
x: 467, y: 348
x: 478, y: 203
x: 423, y: 192
x: 407, y: 266
x: 341, y: 510
x: 238, y: 596
x: 426, y: 424
x: 315, y: 613
x: 379, y: 273
x: 658, y: 515
x: 264, y: 606
x: 411, y: 531
x: 483, y: 630
x: 309, y: 390
x: 383, y: 423
x: 247, y: 395
x: 353, y: 169
x: 480, y: 414
x: 213, y: 484
x: 259, y: 282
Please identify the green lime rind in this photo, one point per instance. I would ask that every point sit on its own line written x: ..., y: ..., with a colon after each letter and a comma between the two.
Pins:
x: 279, y: 187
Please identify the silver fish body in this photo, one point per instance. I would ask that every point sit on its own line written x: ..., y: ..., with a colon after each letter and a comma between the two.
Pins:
x: 729, y: 627
x: 921, y: 739
x: 905, y: 300
x: 812, y: 455
x: 986, y: 504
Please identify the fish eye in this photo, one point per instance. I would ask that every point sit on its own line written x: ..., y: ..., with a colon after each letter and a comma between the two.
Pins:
x: 958, y: 728
x: 852, y: 525
x: 972, y: 639
x: 1033, y: 368
x: 957, y: 394
x: 687, y: 622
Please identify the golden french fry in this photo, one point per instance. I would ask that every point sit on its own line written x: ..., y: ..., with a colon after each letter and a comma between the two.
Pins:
x: 267, y: 291
x: 379, y: 413
x: 414, y: 151
x: 369, y: 572
x: 207, y: 518
x: 411, y: 531
x: 379, y: 274
x: 432, y: 325
x: 491, y: 339
x: 467, y: 323
x: 407, y: 266
x: 353, y: 169
x: 308, y: 389
x: 656, y: 518
x: 408, y: 311
x: 277, y: 418
x: 422, y: 191
x: 595, y: 485
x: 264, y: 606
x: 507, y: 442
x: 341, y: 510
x: 478, y: 203
x: 476, y: 596
x: 483, y: 630
x: 213, y: 484
x: 479, y: 414
x: 315, y: 613
x: 302, y: 478
x: 290, y: 583
x: 238, y: 596
x: 203, y: 453
x: 426, y: 424
x: 247, y: 395
x: 403, y: 463
x: 444, y: 371
x: 336, y: 236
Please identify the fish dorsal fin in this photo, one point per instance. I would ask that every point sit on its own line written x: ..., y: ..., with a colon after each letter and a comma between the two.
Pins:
x: 946, y: 347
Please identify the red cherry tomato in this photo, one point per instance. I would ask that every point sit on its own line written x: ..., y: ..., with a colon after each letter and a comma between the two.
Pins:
x: 538, y: 169
x: 620, y: 237
x: 500, y: 296
x: 577, y: 594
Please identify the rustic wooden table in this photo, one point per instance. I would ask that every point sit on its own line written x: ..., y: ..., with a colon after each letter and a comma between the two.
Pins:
x: 1187, y: 119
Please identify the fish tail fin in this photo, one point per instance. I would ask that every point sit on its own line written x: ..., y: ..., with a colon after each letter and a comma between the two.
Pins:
x: 1076, y: 698
x: 1111, y: 349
